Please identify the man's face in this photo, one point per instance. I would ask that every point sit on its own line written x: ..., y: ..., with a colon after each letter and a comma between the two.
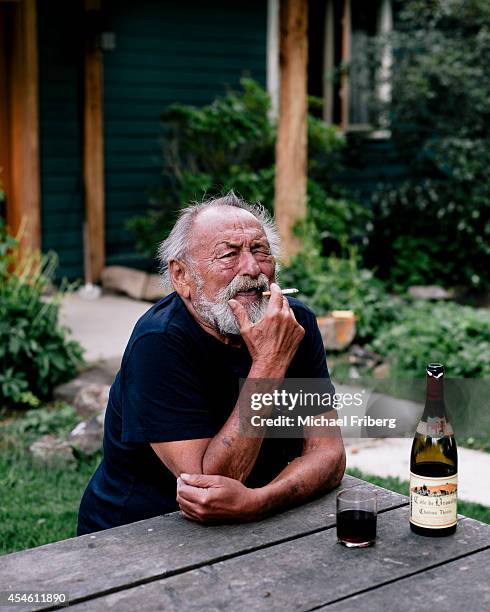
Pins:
x: 229, y: 258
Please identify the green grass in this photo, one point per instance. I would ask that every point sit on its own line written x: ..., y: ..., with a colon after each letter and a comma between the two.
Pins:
x: 474, y: 511
x: 39, y: 504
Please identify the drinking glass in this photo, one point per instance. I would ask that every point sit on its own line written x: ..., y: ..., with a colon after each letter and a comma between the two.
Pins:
x: 357, y: 511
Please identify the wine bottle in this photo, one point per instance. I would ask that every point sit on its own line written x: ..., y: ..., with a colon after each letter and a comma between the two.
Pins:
x: 434, y: 464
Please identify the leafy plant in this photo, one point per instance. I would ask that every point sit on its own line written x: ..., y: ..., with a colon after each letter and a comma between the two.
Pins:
x: 35, y: 352
x: 338, y: 283
x: 458, y: 336
x: 57, y: 419
x: 230, y: 145
x: 436, y: 226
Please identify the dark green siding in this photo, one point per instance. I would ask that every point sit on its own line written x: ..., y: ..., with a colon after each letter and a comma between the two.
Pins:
x: 60, y: 100
x: 187, y: 51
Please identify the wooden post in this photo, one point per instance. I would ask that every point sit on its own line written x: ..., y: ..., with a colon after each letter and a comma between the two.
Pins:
x: 328, y: 63
x: 291, y: 146
x: 23, y: 183
x: 5, y: 26
x: 93, y: 150
x: 344, y: 83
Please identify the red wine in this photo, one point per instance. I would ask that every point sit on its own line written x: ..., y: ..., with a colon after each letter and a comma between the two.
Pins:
x: 434, y: 465
x: 356, y: 527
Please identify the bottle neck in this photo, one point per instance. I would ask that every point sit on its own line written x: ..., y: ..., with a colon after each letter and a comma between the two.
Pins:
x: 434, y: 401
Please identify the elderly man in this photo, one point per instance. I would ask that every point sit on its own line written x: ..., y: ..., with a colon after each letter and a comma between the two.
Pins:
x: 172, y: 428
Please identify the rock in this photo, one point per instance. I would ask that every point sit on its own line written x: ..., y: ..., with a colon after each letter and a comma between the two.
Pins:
x: 102, y: 373
x: 125, y: 280
x: 154, y: 289
x: 430, y: 292
x: 51, y: 449
x: 91, y: 399
x: 381, y: 371
x: 359, y: 356
x: 338, y: 329
x: 68, y: 391
x: 87, y: 436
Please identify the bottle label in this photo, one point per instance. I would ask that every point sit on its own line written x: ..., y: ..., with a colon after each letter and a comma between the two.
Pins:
x: 433, y: 501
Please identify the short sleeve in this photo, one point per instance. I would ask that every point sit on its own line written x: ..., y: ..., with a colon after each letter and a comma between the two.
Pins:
x: 162, y: 399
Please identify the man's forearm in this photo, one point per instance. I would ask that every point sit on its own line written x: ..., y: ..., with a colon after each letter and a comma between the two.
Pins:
x: 305, y: 477
x: 230, y: 453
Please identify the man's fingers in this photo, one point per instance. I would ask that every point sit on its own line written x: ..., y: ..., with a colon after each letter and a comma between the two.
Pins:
x: 203, y: 481
x: 189, y: 512
x: 191, y: 494
x: 277, y: 299
x: 240, y: 314
x: 285, y: 306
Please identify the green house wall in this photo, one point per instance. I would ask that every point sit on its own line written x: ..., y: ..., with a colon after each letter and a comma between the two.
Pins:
x: 187, y: 51
x: 60, y: 127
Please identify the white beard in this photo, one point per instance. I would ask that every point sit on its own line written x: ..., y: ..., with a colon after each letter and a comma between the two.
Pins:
x: 218, y: 312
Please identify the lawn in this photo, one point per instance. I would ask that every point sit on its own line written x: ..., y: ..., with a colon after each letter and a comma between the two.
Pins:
x: 39, y: 504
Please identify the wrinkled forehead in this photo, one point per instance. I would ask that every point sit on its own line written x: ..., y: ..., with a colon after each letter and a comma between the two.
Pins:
x: 215, y: 225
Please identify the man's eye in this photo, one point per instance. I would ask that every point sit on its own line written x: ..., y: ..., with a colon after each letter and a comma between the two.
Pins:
x: 230, y: 254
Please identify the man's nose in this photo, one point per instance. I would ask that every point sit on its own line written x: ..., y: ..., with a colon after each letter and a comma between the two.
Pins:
x: 248, y: 265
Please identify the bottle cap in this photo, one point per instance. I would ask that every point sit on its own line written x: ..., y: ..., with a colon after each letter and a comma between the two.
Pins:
x: 435, y: 369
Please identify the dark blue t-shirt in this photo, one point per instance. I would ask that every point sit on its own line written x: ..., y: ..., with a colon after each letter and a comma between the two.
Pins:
x: 178, y: 382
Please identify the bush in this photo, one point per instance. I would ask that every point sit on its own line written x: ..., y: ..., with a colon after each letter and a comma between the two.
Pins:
x: 458, y: 336
x: 35, y: 352
x: 229, y: 145
x: 436, y: 226
x: 338, y: 283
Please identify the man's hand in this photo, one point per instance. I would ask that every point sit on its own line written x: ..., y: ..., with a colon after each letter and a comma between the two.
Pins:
x: 275, y: 338
x: 208, y: 498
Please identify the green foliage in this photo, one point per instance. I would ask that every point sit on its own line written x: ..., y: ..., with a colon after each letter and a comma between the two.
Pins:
x: 230, y: 145
x: 58, y: 419
x: 339, y: 283
x: 35, y: 352
x: 436, y: 227
x: 39, y: 504
x: 458, y: 336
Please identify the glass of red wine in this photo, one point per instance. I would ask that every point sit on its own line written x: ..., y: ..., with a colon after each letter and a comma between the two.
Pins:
x: 357, y: 510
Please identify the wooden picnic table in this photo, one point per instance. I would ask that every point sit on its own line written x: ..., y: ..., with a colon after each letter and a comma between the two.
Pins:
x: 291, y: 561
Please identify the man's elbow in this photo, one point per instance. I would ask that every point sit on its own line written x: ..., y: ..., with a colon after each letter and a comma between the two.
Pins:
x: 339, y: 469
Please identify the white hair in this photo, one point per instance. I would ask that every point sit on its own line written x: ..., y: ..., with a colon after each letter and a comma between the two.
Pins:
x: 174, y: 247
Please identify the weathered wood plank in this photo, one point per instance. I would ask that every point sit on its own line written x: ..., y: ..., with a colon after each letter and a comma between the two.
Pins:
x: 459, y: 585
x: 301, y: 574
x: 159, y: 547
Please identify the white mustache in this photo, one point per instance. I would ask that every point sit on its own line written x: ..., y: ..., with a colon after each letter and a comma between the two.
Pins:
x: 244, y: 283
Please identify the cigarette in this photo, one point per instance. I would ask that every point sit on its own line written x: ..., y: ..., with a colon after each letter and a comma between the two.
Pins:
x: 283, y: 291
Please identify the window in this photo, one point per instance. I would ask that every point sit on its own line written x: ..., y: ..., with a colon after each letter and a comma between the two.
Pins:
x: 339, y: 72
x: 339, y: 33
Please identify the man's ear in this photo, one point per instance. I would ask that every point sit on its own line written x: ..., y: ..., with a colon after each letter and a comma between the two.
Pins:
x: 179, y: 276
